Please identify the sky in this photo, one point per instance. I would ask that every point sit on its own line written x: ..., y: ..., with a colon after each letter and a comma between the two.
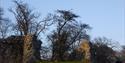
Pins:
x: 106, y: 17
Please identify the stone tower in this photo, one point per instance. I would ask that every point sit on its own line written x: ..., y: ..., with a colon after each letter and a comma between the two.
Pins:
x: 27, y: 49
x: 85, y: 49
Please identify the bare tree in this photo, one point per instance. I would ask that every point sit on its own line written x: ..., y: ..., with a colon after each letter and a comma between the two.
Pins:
x: 68, y: 31
x: 101, y: 50
x: 29, y: 27
x: 123, y: 53
x: 27, y: 21
x: 5, y: 25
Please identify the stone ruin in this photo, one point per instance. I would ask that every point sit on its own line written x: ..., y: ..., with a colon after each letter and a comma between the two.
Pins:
x: 85, y: 49
x: 13, y: 49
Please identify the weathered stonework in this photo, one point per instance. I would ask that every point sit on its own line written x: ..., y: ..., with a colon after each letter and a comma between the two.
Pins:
x: 27, y: 49
x: 85, y: 48
x: 11, y: 50
x: 20, y: 49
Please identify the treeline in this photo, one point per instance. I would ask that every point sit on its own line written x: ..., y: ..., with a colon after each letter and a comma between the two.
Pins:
x: 65, y: 36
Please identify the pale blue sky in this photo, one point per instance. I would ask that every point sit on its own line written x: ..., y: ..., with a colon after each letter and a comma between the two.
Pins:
x: 106, y: 17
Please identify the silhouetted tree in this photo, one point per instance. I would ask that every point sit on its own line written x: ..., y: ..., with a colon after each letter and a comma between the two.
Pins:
x: 27, y: 21
x: 67, y: 32
x: 123, y: 53
x: 5, y: 25
x: 27, y: 25
x: 101, y: 52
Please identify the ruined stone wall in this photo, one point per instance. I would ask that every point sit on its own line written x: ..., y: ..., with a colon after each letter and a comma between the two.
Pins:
x: 20, y: 49
x: 11, y: 50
